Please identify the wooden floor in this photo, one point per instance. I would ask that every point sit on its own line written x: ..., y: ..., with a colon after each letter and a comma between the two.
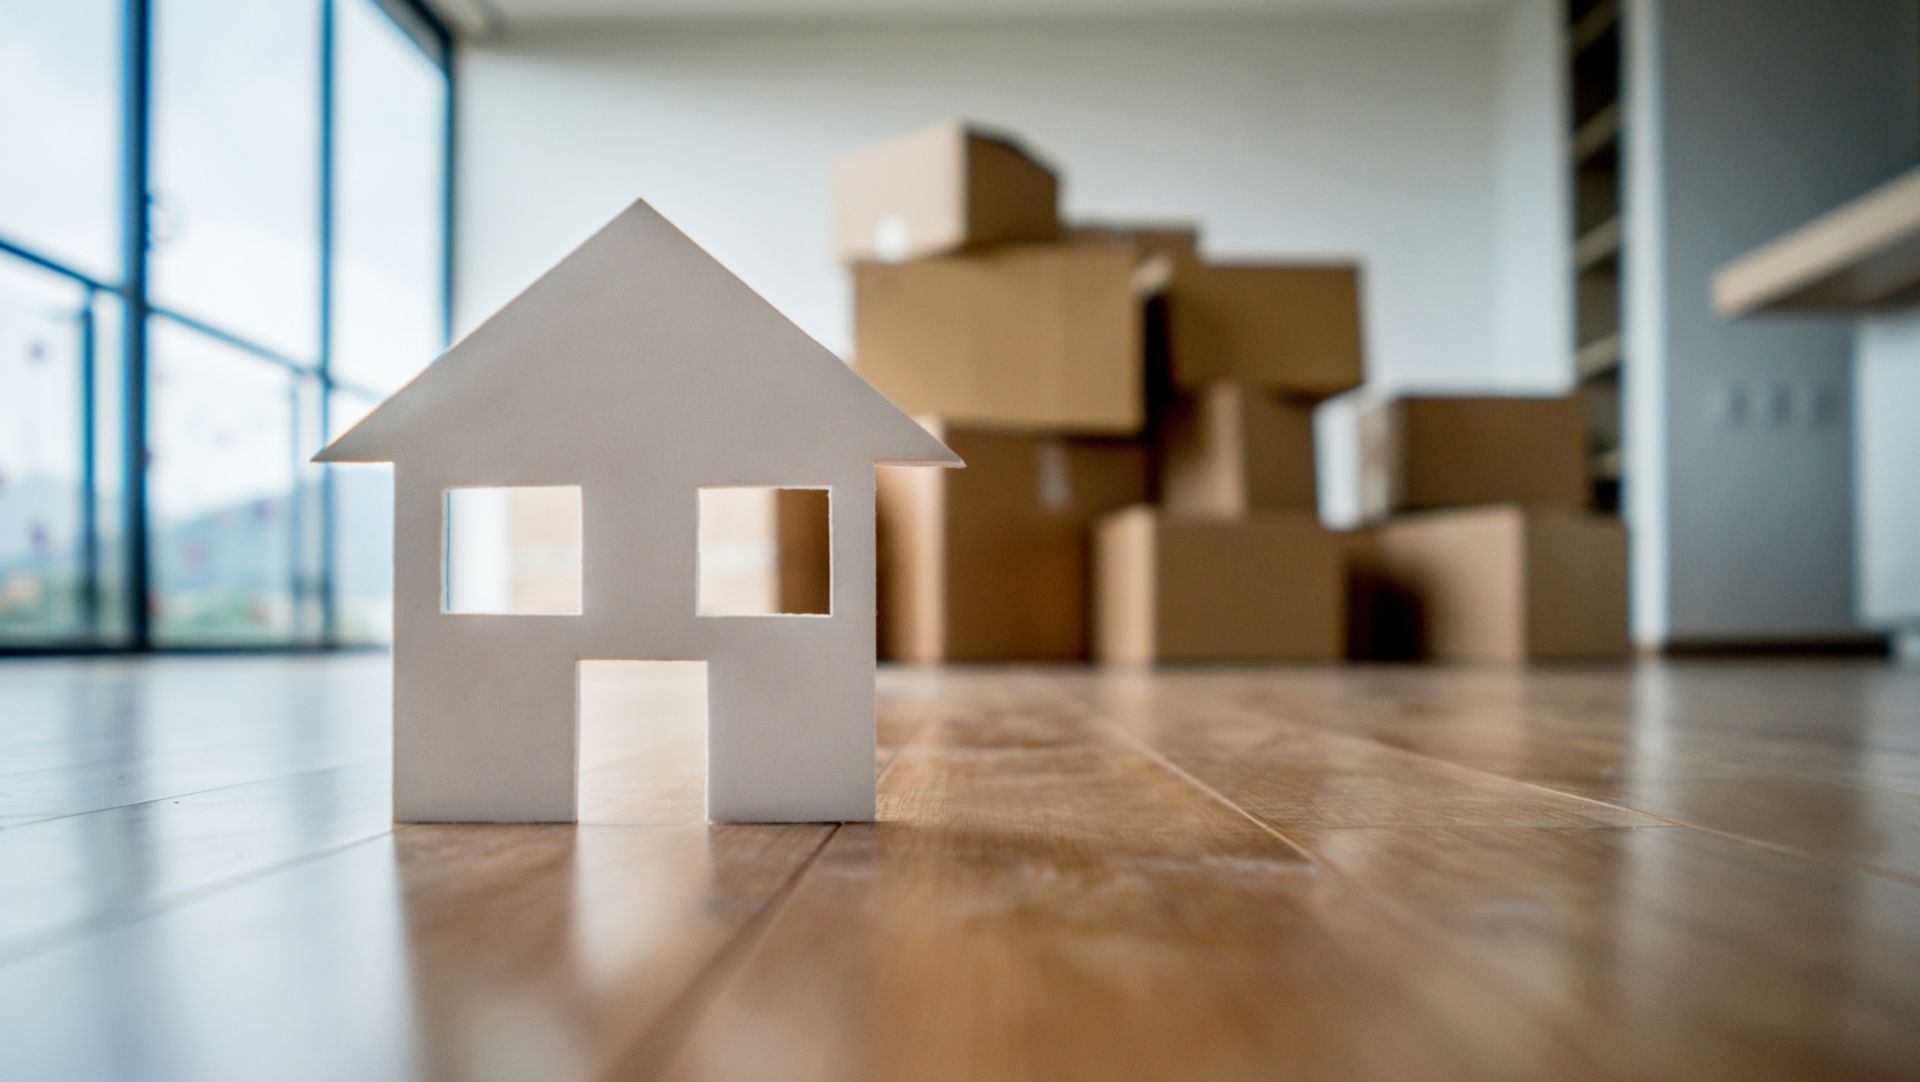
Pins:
x: 1679, y: 870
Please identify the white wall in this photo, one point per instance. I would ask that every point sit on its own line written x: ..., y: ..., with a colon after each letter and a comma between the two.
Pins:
x: 1886, y: 456
x: 1746, y: 118
x: 1533, y: 300
x: 1373, y: 137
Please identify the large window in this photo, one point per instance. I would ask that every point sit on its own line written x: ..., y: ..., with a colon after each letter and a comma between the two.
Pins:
x: 222, y: 240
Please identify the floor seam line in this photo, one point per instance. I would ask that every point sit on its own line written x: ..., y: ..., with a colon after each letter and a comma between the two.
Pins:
x: 134, y: 915
x: 1745, y: 839
x: 686, y: 1007
x: 671, y: 1026
x: 1405, y: 917
x: 195, y: 792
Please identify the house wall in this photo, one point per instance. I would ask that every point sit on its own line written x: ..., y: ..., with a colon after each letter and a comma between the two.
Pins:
x: 486, y: 706
x: 1368, y: 136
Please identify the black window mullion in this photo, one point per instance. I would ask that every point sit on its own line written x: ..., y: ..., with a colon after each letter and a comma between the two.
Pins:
x: 89, y: 470
x: 136, y: 178
x: 446, y: 196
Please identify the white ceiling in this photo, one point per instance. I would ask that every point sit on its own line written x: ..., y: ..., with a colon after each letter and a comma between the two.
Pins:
x: 484, y: 16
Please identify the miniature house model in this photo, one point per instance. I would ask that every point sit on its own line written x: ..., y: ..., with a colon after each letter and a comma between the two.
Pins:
x: 637, y: 371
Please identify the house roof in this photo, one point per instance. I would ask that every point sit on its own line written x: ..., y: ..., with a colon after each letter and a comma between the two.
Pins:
x: 639, y: 335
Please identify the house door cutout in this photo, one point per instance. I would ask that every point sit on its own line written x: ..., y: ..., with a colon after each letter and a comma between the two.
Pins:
x: 632, y: 710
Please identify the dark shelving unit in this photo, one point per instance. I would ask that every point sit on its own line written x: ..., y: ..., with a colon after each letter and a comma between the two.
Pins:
x: 1594, y: 47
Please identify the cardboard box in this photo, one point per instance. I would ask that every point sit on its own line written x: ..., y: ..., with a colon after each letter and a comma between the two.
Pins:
x: 1230, y: 449
x: 1496, y: 584
x: 1292, y: 328
x: 1382, y: 620
x: 803, y: 538
x: 944, y: 189
x: 1172, y: 588
x: 1035, y: 338
x: 1419, y: 453
x: 1174, y: 239
x: 990, y: 562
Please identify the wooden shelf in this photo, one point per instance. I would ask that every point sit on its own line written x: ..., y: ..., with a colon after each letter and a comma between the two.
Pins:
x: 1601, y: 131
x: 1863, y: 254
x: 1593, y: 26
x: 1597, y: 245
x: 1597, y: 358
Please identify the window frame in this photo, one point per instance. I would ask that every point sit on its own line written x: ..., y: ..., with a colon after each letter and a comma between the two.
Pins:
x: 135, y: 195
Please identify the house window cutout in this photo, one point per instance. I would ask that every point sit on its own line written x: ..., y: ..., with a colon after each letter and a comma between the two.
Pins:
x: 765, y: 552
x: 512, y: 551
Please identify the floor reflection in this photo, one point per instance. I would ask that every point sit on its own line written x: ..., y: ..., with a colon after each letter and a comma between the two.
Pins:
x: 1680, y: 867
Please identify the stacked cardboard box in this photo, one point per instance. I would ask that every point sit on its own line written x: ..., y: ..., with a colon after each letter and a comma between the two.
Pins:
x: 1198, y: 588
x: 1081, y: 370
x: 947, y: 188
x: 991, y: 561
x: 1024, y: 348
x: 1233, y: 563
x: 1482, y: 547
x: 1043, y: 338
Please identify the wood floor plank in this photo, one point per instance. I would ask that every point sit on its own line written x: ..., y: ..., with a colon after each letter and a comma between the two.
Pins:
x: 1720, y: 958
x: 1289, y: 775
x: 85, y: 737
x: 51, y: 794
x: 74, y: 873
x: 1240, y: 872
x: 1824, y: 721
x: 1660, y: 906
x: 1858, y: 825
x: 1042, y: 902
x: 643, y: 742
x: 455, y: 951
x: 68, y: 876
x: 1819, y: 763
x: 78, y: 711
x: 280, y: 929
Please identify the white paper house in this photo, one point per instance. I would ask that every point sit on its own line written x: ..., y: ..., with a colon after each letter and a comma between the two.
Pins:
x: 640, y: 370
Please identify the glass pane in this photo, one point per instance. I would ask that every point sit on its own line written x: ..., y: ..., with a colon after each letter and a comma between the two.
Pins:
x: 115, y: 621
x: 221, y: 488
x: 362, y: 539
x: 60, y: 130
x: 236, y: 166
x: 391, y: 114
x: 310, y: 513
x: 57, y: 503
